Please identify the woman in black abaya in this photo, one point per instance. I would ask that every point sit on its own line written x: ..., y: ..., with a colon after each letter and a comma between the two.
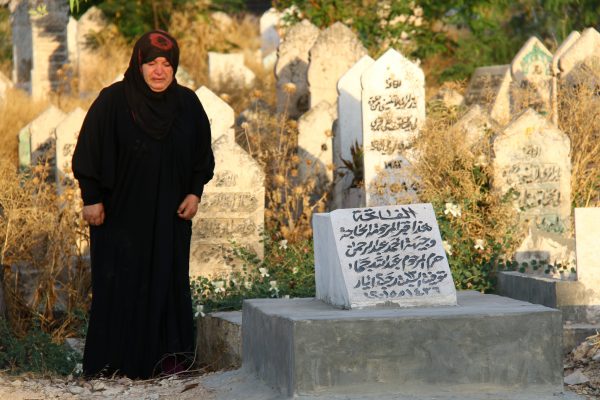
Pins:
x: 142, y: 159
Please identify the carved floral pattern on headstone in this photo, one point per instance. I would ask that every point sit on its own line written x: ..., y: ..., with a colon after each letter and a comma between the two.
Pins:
x: 379, y: 256
x: 393, y: 111
x: 233, y: 202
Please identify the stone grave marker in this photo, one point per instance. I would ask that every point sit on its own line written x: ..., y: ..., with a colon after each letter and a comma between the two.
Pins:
x: 349, y: 132
x: 184, y: 78
x: 291, y: 69
x: 532, y: 162
x: 531, y: 71
x: 475, y: 126
x: 315, y: 142
x: 37, y: 138
x: 269, y: 35
x: 490, y: 88
x: 393, y: 111
x: 227, y: 70
x: 587, y: 241
x: 5, y: 84
x: 564, y: 46
x: 87, y: 60
x: 67, y: 133
x: 334, y: 52
x: 233, y: 202
x: 49, y: 44
x: 72, y: 41
x: 21, y: 44
x: 380, y: 256
x: 580, y: 63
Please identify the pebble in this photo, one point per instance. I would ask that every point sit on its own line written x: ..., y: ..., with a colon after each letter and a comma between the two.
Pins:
x: 576, y: 378
x: 75, y: 389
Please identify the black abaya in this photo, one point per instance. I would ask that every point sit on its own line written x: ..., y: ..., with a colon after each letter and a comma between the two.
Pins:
x: 141, y: 305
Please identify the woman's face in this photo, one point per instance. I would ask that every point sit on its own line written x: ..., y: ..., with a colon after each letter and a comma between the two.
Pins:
x: 158, y: 74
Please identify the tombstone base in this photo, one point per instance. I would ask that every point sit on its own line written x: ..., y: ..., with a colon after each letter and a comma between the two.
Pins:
x: 486, y: 344
x: 581, y: 313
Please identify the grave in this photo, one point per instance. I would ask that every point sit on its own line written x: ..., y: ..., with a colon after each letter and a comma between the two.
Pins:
x: 368, y: 344
x: 564, y: 46
x: 228, y: 70
x: 20, y: 25
x: 532, y: 166
x: 393, y: 111
x: 476, y: 128
x: 490, y: 88
x: 349, y: 134
x: 291, y: 69
x: 37, y: 139
x: 531, y: 70
x: 67, y: 133
x: 578, y: 300
x: 580, y: 63
x: 269, y: 35
x: 338, y: 43
x: 315, y: 142
x: 232, y: 205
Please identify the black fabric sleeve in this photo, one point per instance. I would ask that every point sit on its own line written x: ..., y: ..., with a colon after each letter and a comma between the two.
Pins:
x: 203, y: 159
x: 89, y: 156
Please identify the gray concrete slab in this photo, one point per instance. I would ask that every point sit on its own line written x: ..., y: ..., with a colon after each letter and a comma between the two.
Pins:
x: 486, y: 344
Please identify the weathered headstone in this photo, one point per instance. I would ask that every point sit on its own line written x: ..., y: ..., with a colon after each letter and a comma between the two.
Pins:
x: 5, y: 84
x: 37, y: 138
x: 293, y: 95
x: 564, y: 46
x: 393, y: 255
x: 232, y: 205
x: 22, y: 44
x: 86, y: 64
x: 349, y: 132
x: 580, y: 63
x: 335, y: 51
x: 67, y: 133
x: 49, y: 45
x: 490, y: 88
x: 531, y: 71
x: 315, y: 142
x: 449, y: 97
x: 393, y: 111
x: 532, y: 164
x: 475, y: 126
x: 269, y: 35
x: 229, y: 70
x: 587, y: 239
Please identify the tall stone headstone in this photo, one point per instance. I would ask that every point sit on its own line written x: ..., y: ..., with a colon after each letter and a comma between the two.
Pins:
x: 564, y: 46
x: 37, y: 139
x: 335, y: 51
x: 315, y: 142
x: 532, y: 165
x: 381, y: 256
x: 293, y: 94
x: 49, y: 44
x: 490, y: 88
x: 22, y: 46
x: 349, y: 131
x: 67, y: 133
x: 531, y: 71
x: 393, y: 111
x: 86, y: 63
x: 580, y: 63
x: 229, y: 70
x: 269, y: 34
x: 233, y: 202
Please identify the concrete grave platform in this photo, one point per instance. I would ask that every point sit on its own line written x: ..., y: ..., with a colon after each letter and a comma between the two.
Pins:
x: 219, y: 340
x: 486, y: 344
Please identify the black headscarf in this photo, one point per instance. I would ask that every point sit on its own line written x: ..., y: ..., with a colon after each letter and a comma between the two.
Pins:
x: 154, y: 112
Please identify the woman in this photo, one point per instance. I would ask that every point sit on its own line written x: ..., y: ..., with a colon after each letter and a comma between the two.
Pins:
x: 142, y: 159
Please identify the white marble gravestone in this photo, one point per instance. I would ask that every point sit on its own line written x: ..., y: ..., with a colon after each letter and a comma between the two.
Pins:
x: 379, y: 256
x: 41, y: 134
x: 335, y: 51
x: 229, y: 70
x: 564, y: 46
x: 291, y: 68
x: 315, y: 142
x: 233, y: 202
x: 349, y: 131
x: 580, y: 63
x: 393, y: 111
x: 531, y: 70
x: 532, y: 164
x: 490, y: 88
x: 67, y: 133
x: 269, y: 35
x: 587, y: 242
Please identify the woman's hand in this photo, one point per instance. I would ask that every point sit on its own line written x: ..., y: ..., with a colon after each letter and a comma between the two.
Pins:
x: 94, y: 214
x: 188, y: 207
